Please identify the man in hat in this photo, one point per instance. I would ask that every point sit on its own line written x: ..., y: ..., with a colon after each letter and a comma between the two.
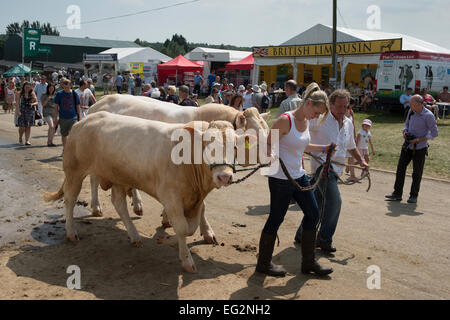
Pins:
x: 292, y: 101
x: 257, y: 97
x: 420, y: 126
x: 184, y: 97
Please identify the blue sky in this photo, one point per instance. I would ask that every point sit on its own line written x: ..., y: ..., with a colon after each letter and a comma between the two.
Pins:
x: 237, y: 22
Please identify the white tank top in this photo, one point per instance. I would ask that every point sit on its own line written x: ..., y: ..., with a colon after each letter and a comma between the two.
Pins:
x: 292, y: 147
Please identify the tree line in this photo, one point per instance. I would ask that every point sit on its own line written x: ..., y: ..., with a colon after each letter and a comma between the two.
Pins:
x: 179, y: 45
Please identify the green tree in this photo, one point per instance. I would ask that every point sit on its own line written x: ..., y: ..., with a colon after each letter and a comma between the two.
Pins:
x: 47, y: 29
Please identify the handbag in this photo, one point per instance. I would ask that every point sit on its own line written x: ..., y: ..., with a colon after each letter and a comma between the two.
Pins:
x: 37, y: 114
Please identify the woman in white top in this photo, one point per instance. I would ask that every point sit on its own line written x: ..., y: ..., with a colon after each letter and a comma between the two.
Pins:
x: 248, y: 98
x: 10, y: 96
x: 294, y: 141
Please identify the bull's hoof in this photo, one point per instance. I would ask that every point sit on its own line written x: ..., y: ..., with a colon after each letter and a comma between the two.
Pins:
x: 190, y: 268
x: 138, y: 244
x: 73, y: 238
x: 210, y: 239
x: 97, y: 213
x: 138, y: 211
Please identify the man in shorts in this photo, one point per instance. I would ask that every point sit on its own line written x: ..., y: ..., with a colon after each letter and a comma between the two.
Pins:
x: 67, y: 109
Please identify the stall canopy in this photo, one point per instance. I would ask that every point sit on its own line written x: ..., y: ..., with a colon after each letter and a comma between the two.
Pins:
x: 18, y: 71
x: 126, y: 56
x: 244, y: 64
x: 176, y: 67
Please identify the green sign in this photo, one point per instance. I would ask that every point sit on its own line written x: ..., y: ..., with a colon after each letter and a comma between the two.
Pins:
x: 45, y: 50
x: 32, y: 41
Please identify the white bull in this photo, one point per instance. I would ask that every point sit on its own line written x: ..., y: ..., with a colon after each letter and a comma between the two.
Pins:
x: 152, y: 109
x: 128, y: 152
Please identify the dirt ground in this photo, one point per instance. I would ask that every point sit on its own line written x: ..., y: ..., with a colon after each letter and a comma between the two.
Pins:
x: 409, y: 243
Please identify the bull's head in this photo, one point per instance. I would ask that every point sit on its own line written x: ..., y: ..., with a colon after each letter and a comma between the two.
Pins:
x: 252, y: 119
x: 219, y: 148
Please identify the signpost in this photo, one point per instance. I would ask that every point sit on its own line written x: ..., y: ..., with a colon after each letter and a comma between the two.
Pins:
x: 31, y: 40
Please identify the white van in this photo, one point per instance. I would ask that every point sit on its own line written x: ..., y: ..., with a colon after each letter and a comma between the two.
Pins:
x: 400, y: 70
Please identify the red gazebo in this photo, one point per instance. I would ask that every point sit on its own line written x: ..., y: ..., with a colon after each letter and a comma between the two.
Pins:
x: 179, y: 65
x: 244, y: 64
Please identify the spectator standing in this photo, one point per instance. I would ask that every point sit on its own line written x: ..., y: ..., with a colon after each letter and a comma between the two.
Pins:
x: 248, y: 98
x: 198, y: 82
x: 257, y: 97
x: 211, y: 80
x: 162, y: 94
x: 184, y: 97
x: 48, y: 104
x: 292, y: 101
x: 237, y: 101
x: 131, y: 83
x: 27, y: 103
x: 105, y: 82
x: 364, y: 140
x: 265, y: 103
x: 214, y: 97
x: 405, y: 99
x: 86, y: 96
x: 118, y: 83
x: 67, y: 109
x: 40, y: 89
x: 420, y: 126
x: 138, y: 85
x: 91, y: 87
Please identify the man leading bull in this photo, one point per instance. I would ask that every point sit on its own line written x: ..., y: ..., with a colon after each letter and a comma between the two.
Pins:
x: 336, y: 129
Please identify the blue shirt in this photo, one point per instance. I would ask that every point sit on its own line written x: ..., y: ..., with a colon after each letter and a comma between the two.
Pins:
x: 404, y: 100
x: 65, y: 101
x: 211, y: 79
x: 421, y: 125
x: 198, y: 79
x: 119, y: 80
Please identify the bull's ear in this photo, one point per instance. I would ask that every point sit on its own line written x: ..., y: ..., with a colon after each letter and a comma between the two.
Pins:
x: 241, y: 122
x: 265, y: 116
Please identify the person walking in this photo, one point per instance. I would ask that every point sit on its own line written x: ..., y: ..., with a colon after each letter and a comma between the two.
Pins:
x: 10, y: 96
x: 292, y: 100
x: 118, y: 82
x: 48, y: 105
x: 67, y: 109
x: 27, y: 104
x: 337, y: 129
x: 294, y: 140
x: 364, y: 140
x: 131, y: 84
x: 420, y: 126
x: 86, y: 96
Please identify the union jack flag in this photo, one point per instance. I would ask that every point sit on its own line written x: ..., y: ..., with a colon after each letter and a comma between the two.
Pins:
x: 261, y: 51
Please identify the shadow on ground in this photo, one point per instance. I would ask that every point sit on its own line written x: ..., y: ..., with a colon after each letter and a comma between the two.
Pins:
x: 110, y: 267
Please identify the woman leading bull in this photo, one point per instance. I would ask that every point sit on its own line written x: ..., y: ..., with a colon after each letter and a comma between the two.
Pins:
x: 294, y: 140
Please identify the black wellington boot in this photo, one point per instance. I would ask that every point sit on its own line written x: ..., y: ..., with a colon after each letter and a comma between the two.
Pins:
x: 309, y: 263
x: 265, y: 265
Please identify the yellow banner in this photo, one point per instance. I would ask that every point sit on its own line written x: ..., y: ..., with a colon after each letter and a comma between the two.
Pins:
x: 343, y: 48
x: 137, y: 67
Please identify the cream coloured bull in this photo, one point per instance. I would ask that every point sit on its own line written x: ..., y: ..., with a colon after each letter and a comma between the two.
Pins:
x: 128, y: 152
x: 151, y: 109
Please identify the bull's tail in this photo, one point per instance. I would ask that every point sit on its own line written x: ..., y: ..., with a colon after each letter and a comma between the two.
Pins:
x: 54, y: 196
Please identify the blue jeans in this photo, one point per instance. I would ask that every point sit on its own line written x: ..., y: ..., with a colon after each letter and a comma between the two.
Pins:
x: 281, y: 193
x: 333, y: 203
